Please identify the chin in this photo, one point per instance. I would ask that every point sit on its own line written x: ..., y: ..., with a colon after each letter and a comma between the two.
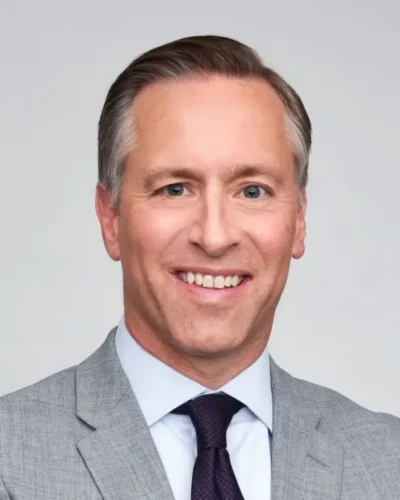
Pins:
x: 209, y: 348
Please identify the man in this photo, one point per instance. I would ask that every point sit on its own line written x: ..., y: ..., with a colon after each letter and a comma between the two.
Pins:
x: 203, y: 160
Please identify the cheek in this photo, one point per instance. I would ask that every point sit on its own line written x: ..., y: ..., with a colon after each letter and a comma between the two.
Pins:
x: 148, y: 233
x: 274, y: 236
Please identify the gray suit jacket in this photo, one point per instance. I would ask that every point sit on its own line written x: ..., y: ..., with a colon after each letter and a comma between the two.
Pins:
x: 80, y: 435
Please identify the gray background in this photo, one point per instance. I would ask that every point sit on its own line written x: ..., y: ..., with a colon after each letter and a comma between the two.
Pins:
x: 338, y: 323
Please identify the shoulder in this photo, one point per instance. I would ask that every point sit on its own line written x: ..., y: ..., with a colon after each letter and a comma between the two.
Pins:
x: 58, y: 389
x: 370, y: 440
x: 340, y: 416
x: 40, y: 421
x: 52, y: 402
x: 40, y: 402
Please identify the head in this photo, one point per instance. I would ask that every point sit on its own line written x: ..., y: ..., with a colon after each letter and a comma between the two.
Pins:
x: 203, y: 166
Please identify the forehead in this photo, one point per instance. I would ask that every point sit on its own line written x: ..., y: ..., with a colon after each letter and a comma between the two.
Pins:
x: 210, y: 121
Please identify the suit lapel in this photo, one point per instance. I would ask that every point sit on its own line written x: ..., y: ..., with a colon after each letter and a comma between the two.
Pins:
x: 120, y: 452
x: 306, y: 464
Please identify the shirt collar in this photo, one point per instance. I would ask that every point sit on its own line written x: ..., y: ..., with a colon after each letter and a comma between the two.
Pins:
x: 159, y: 388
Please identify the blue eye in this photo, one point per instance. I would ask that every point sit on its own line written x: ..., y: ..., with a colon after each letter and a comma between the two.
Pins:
x: 254, y: 191
x: 176, y: 189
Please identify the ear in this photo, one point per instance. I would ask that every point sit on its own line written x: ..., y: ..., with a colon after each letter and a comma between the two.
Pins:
x: 108, y: 218
x: 300, y: 230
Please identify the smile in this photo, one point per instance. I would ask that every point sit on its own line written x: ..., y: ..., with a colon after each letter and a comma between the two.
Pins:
x: 211, y: 281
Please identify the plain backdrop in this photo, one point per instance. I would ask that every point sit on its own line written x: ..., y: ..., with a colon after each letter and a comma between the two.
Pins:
x: 60, y: 294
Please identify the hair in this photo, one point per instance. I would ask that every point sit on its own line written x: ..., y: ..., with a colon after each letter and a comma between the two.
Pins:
x: 202, y: 56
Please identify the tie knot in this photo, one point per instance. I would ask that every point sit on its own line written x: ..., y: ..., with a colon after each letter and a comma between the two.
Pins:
x: 211, y: 415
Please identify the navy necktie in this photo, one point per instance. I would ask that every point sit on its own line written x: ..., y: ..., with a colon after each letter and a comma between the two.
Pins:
x: 213, y: 476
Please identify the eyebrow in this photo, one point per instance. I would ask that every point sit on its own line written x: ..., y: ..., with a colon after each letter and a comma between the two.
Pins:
x: 235, y: 172
x: 238, y: 171
x: 156, y: 174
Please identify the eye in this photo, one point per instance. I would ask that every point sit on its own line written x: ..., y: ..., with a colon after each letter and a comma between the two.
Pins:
x: 176, y: 189
x: 255, y: 191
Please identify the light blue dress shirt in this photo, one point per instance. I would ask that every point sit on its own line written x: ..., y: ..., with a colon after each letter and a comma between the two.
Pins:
x: 159, y: 389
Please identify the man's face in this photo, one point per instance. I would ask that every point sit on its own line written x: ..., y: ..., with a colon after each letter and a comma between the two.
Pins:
x: 209, y: 191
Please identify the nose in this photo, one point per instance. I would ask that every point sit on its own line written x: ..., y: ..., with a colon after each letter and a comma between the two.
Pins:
x: 214, y: 229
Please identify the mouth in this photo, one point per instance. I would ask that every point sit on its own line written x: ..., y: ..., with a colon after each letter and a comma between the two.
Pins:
x: 209, y: 281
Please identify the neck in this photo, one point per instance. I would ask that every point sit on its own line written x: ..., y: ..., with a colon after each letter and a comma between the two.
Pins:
x: 210, y: 370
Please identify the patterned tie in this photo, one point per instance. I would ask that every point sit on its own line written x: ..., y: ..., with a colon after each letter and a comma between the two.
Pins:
x: 213, y: 476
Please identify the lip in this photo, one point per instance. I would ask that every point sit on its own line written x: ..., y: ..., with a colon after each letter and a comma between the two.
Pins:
x: 232, y: 271
x: 211, y: 295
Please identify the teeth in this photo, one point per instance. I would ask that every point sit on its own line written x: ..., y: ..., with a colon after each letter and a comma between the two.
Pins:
x: 228, y: 281
x: 219, y: 282
x: 208, y: 281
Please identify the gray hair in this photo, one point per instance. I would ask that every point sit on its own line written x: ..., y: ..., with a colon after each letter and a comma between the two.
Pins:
x: 192, y: 56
